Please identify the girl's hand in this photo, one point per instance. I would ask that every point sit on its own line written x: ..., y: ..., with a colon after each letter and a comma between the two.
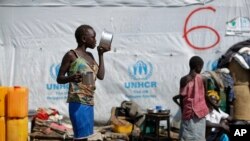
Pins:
x: 77, y: 77
x: 101, y: 50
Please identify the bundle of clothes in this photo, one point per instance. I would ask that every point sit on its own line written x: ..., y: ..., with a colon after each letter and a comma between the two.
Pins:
x: 220, y: 81
x: 228, y: 92
x: 49, y: 121
x: 237, y: 60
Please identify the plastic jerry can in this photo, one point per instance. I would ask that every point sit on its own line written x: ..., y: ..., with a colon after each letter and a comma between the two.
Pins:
x: 2, y: 129
x: 3, y: 93
x: 17, y: 102
x: 17, y: 129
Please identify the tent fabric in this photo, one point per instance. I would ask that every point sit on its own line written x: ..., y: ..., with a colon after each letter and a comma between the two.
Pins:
x: 153, y: 41
x: 140, y: 3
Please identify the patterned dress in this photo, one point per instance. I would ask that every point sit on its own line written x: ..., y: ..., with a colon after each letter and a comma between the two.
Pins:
x: 81, y: 99
x: 79, y: 92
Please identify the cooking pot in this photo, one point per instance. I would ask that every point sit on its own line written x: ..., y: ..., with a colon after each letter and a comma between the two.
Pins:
x: 165, y: 111
x: 106, y: 40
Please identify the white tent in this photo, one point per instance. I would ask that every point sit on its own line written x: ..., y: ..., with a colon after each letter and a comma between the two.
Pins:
x: 159, y: 35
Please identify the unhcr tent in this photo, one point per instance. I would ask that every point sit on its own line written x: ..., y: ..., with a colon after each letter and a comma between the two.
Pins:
x: 153, y: 41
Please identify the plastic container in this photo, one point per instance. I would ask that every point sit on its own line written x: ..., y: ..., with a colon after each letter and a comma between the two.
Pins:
x: 2, y: 129
x: 3, y: 94
x: 125, y: 128
x: 158, y: 108
x: 17, y: 102
x: 17, y: 129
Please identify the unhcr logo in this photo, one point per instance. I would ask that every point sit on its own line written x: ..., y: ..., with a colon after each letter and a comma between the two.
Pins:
x: 54, y: 70
x: 140, y: 70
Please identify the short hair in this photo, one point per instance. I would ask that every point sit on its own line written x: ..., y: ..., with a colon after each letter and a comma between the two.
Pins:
x: 195, y: 62
x: 80, y: 31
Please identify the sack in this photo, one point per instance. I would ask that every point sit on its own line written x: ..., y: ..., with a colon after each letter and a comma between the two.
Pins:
x: 131, y: 107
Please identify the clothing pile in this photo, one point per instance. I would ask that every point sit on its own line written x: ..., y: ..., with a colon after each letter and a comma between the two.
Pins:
x: 220, y: 82
x: 48, y: 121
x: 239, y: 52
x: 237, y: 60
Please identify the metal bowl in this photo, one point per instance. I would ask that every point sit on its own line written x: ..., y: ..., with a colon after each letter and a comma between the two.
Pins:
x: 106, y: 40
x: 166, y: 111
x: 150, y: 110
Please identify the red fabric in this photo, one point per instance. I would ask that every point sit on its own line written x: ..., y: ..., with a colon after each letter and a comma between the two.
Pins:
x: 43, y: 113
x: 59, y: 127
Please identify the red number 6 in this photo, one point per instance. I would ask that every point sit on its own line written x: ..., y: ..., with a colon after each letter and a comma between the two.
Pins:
x: 186, y: 32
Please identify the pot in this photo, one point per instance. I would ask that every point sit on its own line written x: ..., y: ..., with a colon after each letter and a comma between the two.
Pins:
x: 106, y: 40
x: 151, y: 110
x: 165, y: 111
x: 88, y: 78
